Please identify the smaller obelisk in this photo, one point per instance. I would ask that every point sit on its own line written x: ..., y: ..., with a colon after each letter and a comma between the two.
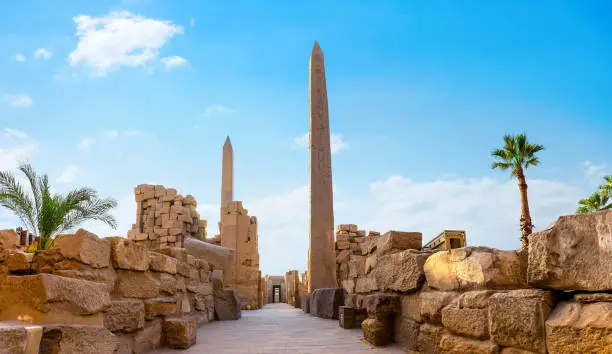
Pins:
x: 227, y: 174
x: 321, y: 254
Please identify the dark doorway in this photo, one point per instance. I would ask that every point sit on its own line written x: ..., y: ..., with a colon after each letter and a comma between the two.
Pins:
x: 276, y: 293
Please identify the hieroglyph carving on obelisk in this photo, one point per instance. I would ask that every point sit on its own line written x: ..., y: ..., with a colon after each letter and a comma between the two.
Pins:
x: 227, y: 174
x: 321, y: 255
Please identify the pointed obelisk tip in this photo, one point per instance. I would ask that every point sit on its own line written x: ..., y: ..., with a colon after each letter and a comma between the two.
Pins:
x: 316, y: 49
x: 227, y: 142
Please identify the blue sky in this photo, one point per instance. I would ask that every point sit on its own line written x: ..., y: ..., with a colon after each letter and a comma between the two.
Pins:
x: 112, y: 94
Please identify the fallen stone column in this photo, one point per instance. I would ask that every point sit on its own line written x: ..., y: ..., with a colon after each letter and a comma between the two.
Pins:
x: 219, y: 257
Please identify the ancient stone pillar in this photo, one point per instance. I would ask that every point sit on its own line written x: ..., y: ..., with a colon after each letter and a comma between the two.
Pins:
x: 227, y: 174
x: 321, y: 258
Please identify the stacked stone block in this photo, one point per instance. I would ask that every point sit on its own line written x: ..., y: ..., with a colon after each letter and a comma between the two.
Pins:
x: 483, y: 300
x: 292, y: 281
x: 106, y: 295
x: 164, y: 217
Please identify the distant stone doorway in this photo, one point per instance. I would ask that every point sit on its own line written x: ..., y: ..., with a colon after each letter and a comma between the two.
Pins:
x: 276, y: 293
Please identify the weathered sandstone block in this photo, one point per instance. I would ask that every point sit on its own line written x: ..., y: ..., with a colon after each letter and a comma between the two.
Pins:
x: 174, y: 252
x: 139, y: 285
x: 366, y: 284
x: 179, y: 333
x: 18, y: 262
x: 84, y: 247
x: 219, y: 257
x: 324, y: 302
x: 159, y: 307
x: 573, y: 254
x: 402, y: 271
x: 306, y: 303
x: 125, y: 343
x: 78, y: 339
x: 171, y: 284
x: 195, y: 286
x: 162, y: 263
x: 227, y: 305
x: 8, y: 239
x: 394, y: 241
x: 466, y: 321
x: 377, y: 332
x: 349, y: 285
x: 125, y: 315
x: 130, y: 255
x: 475, y: 268
x: 406, y: 332
x: 430, y: 305
x: 356, y: 266
x: 149, y: 338
x: 580, y: 328
x: 41, y: 291
x: 13, y: 339
x: 429, y: 338
x: 350, y: 317
x: 204, y: 302
x: 382, y: 306
x: 454, y: 344
x: 75, y: 269
x: 516, y: 318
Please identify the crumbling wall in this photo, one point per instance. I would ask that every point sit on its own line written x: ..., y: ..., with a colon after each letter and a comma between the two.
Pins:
x: 555, y: 299
x: 91, y: 294
x: 164, y: 217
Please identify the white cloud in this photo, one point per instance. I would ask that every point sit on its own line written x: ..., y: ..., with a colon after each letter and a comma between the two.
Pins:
x: 69, y: 174
x: 15, y: 146
x: 174, y: 62
x: 85, y: 144
x: 119, y: 39
x: 134, y: 133
x: 192, y: 22
x: 335, y: 140
x: 216, y: 108
x: 18, y: 100
x: 20, y: 57
x: 42, y: 53
x: 595, y: 172
x: 111, y: 134
x: 15, y: 133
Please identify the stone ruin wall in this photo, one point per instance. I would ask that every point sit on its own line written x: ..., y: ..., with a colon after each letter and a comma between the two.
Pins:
x: 164, y: 217
x: 91, y: 294
x: 239, y: 232
x: 555, y: 299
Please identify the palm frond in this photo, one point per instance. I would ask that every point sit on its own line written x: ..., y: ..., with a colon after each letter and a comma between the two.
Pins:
x: 14, y: 198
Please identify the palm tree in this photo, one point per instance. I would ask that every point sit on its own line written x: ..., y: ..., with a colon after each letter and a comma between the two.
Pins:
x: 595, y: 202
x: 516, y: 155
x: 607, y: 188
x: 48, y: 214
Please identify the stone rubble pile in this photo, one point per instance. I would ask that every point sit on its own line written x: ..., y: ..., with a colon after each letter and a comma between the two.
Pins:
x: 165, y: 218
x: 556, y: 299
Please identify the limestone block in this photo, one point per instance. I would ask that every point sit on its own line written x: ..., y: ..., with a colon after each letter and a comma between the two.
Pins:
x: 126, y: 343
x: 13, y: 339
x: 466, y: 321
x: 74, y: 269
x: 430, y: 305
x: 174, y: 252
x: 343, y: 245
x: 342, y: 256
x: 84, y: 247
x: 149, y: 338
x: 195, y: 286
x: 78, y: 339
x: 186, y: 270
x: 355, y: 248
x: 349, y: 285
x: 171, y: 284
x: 39, y: 292
x: 509, y: 350
x: 305, y: 301
x: 410, y: 308
x: 356, y: 266
x: 371, y: 262
x: 179, y: 333
x: 346, y: 227
x: 139, y: 285
x: 516, y: 318
x: 18, y: 262
x: 406, y: 332
x: 162, y: 263
x: 475, y: 268
x: 393, y: 241
x: 227, y: 305
x: 454, y: 344
x: 324, y: 302
x: 125, y: 315
x: 573, y: 254
x: 159, y: 307
x: 342, y: 238
x: 377, y: 332
x: 8, y: 239
x: 219, y: 257
x: 366, y: 284
x: 402, y: 271
x: 382, y: 306
x: 429, y: 338
x: 204, y: 302
x: 369, y: 245
x: 580, y: 328
x: 130, y: 255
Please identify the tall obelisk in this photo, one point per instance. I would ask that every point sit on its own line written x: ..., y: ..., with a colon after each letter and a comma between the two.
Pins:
x: 227, y: 174
x: 321, y: 257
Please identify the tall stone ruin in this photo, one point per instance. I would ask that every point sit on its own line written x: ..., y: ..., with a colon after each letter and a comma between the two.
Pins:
x: 321, y: 257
